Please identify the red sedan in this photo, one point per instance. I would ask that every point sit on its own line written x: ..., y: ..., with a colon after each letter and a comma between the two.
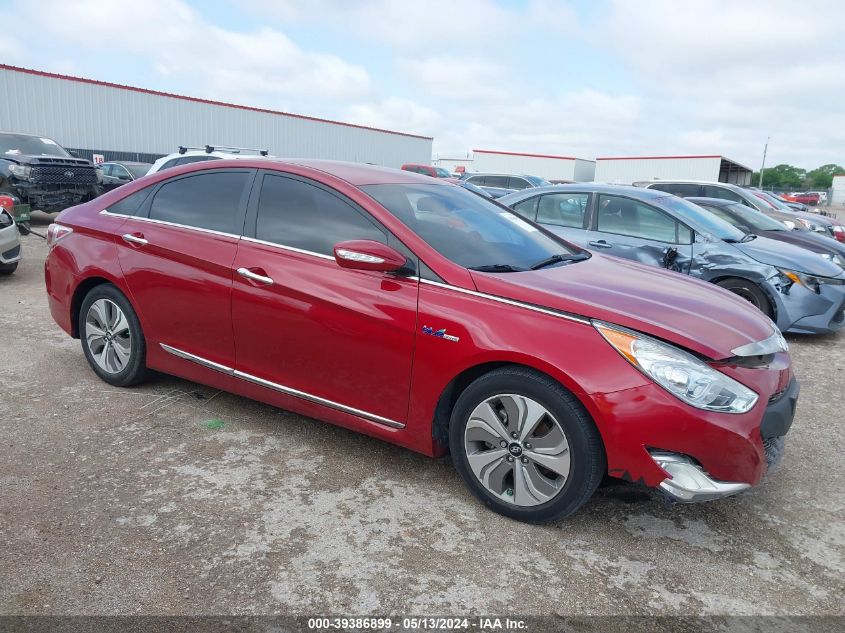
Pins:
x: 413, y: 311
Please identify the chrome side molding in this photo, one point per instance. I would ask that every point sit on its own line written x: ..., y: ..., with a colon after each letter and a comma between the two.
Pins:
x: 302, y: 395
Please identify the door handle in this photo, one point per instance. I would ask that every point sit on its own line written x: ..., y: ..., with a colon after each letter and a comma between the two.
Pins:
x: 134, y: 239
x: 601, y: 244
x: 262, y: 279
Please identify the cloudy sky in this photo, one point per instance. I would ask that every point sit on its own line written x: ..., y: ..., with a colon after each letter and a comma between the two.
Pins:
x: 600, y: 78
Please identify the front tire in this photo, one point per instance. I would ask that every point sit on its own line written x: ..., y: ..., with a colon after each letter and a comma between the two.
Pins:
x: 8, y: 269
x: 749, y: 291
x: 525, y: 446
x: 111, y: 337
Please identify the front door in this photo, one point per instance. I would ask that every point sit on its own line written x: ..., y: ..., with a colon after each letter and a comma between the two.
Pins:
x: 634, y: 230
x: 314, y: 330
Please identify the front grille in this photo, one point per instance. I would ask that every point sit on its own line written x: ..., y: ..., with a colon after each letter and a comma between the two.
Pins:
x: 773, y: 447
x: 64, y: 174
x: 12, y: 252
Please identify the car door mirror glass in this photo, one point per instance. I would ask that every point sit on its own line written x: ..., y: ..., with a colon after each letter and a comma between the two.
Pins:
x: 368, y: 255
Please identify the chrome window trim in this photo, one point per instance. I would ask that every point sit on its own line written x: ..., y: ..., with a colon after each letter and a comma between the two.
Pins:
x: 292, y: 249
x: 166, y: 223
x: 519, y: 304
x: 302, y: 395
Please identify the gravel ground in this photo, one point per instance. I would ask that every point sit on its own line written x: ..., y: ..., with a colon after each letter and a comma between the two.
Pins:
x: 173, y: 498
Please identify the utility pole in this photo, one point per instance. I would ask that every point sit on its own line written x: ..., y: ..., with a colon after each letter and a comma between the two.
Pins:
x: 763, y: 166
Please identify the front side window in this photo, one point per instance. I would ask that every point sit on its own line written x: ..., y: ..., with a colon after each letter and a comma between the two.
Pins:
x: 205, y: 201
x: 468, y: 229
x: 501, y: 182
x: 623, y: 216
x: 478, y: 181
x: 563, y: 209
x: 300, y: 215
x: 527, y: 208
x: 107, y: 169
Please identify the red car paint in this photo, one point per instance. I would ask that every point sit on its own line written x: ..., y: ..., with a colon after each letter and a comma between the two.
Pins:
x: 354, y: 336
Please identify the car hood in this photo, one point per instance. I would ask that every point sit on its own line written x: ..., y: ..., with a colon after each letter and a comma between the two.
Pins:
x: 664, y: 304
x: 783, y: 255
x: 30, y: 159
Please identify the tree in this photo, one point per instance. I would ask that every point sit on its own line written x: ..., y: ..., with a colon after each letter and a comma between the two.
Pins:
x: 822, y: 177
x: 781, y: 176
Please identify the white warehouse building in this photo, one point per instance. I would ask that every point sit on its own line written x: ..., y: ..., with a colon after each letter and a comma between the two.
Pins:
x: 542, y: 165
x: 128, y: 123
x: 626, y: 170
x: 838, y: 189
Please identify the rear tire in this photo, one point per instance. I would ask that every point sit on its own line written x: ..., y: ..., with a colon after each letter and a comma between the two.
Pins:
x: 553, y: 464
x: 111, y: 337
x: 749, y: 291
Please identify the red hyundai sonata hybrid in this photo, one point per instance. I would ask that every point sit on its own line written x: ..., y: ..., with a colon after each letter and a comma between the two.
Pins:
x: 416, y: 312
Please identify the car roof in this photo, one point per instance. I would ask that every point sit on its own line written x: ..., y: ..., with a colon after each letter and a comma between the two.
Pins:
x: 500, y: 173
x: 357, y: 174
x: 685, y: 181
x: 595, y: 187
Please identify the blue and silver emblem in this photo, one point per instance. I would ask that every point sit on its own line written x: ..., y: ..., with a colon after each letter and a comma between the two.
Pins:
x: 427, y: 329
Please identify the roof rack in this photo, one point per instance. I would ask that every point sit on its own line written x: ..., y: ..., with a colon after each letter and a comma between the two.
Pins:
x: 208, y: 149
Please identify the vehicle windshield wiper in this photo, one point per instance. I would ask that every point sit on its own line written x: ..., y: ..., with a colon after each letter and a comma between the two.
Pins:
x: 554, y: 259
x: 497, y: 268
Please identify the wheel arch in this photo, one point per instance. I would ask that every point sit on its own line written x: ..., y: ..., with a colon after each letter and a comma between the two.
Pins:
x: 79, y: 294
x: 757, y: 281
x: 455, y: 387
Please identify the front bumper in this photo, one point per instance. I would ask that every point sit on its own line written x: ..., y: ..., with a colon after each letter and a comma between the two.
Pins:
x: 802, y: 311
x: 53, y: 198
x: 10, y: 245
x: 688, y: 482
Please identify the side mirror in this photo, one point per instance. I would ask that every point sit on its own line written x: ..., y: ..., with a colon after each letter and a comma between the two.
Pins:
x: 124, y: 177
x: 368, y: 255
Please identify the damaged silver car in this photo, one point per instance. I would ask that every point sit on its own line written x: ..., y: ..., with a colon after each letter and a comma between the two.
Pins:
x: 799, y: 290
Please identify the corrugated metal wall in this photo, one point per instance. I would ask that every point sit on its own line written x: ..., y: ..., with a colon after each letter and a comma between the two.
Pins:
x: 629, y: 170
x: 549, y: 168
x: 86, y: 115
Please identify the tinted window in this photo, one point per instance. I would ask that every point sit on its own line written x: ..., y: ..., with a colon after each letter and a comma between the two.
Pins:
x: 527, y: 208
x: 518, y: 183
x: 131, y: 203
x: 478, y: 181
x: 119, y: 171
x: 711, y: 191
x: 206, y: 201
x: 700, y: 218
x: 295, y: 213
x: 106, y: 167
x: 467, y: 229
x: 744, y: 218
x: 624, y: 216
x: 563, y: 209
x: 171, y: 163
x: 684, y: 190
x: 497, y: 181
x: 187, y: 160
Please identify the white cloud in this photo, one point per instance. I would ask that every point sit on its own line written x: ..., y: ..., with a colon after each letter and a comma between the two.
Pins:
x: 259, y: 67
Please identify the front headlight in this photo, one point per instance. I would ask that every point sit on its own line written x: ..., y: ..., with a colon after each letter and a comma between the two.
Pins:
x: 811, y: 282
x: 20, y: 171
x: 812, y: 226
x: 679, y: 372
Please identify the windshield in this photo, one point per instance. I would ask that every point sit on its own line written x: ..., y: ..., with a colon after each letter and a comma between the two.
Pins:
x: 745, y: 218
x: 138, y: 170
x: 465, y: 228
x: 537, y: 181
x: 442, y: 173
x: 18, y: 144
x: 701, y: 219
x: 778, y: 204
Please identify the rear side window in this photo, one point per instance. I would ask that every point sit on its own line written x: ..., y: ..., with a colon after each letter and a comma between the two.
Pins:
x: 680, y: 189
x: 623, y: 216
x: 131, y: 203
x: 502, y: 182
x: 478, y: 181
x: 518, y: 183
x: 205, y: 201
x: 563, y: 209
x: 527, y: 208
x: 297, y: 214
x: 711, y: 191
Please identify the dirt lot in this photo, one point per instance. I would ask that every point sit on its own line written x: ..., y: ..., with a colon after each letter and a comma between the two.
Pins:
x: 172, y: 498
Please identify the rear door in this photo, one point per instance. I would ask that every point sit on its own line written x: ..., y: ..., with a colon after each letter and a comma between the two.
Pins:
x: 628, y: 228
x: 309, y: 327
x: 177, y: 255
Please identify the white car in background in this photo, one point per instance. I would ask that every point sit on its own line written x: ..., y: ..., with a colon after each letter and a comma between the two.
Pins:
x: 187, y: 155
x: 10, y: 243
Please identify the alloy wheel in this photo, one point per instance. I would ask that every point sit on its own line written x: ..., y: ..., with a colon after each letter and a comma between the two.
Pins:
x: 517, y: 450
x: 108, y: 336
